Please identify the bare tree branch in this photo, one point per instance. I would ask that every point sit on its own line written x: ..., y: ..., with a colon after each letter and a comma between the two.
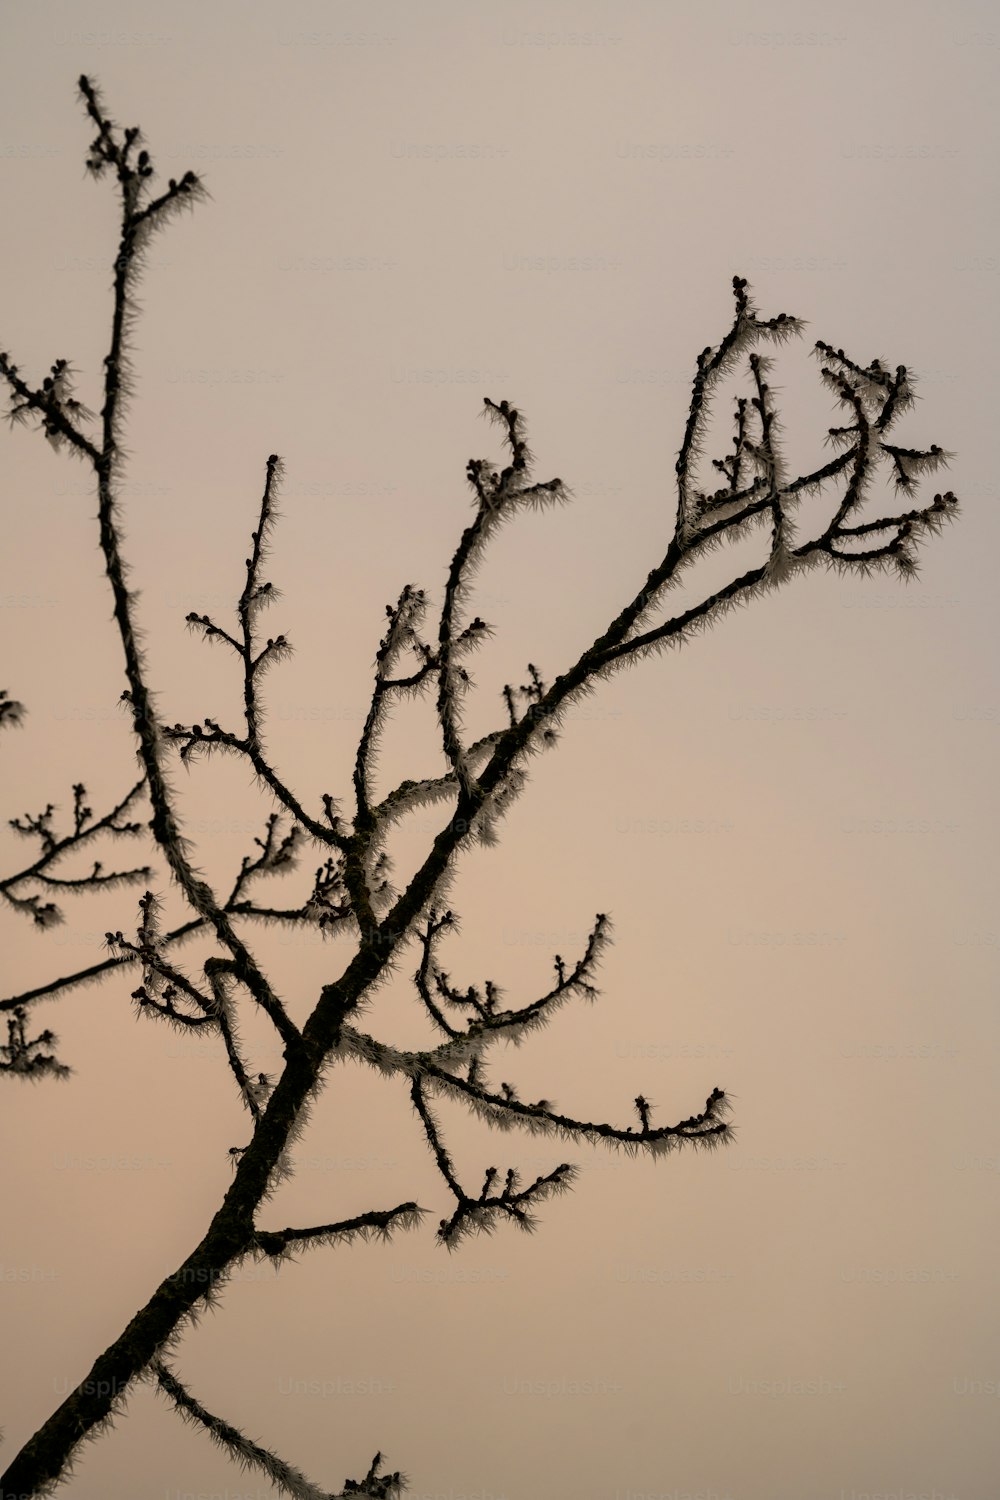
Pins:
x: 85, y: 826
x: 250, y: 1455
x: 478, y: 782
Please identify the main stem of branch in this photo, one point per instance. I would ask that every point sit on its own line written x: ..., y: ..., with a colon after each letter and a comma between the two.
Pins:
x: 45, y: 1457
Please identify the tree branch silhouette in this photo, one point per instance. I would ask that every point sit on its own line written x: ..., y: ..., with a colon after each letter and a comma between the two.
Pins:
x: 478, y: 783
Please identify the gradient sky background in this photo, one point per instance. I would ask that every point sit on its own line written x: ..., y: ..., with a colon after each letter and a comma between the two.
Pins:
x: 792, y: 822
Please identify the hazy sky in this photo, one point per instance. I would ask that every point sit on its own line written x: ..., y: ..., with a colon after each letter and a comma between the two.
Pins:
x: 792, y: 821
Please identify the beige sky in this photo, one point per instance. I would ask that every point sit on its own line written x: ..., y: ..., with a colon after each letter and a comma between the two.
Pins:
x: 792, y: 822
